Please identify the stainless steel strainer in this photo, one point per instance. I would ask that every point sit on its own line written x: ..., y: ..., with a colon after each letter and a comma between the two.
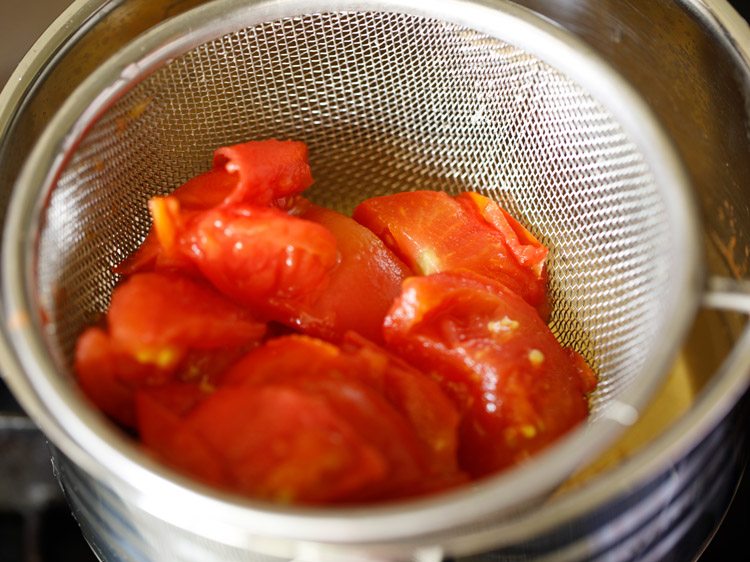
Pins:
x: 389, y: 96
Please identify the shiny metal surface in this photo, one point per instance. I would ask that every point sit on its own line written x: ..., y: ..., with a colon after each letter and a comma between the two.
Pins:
x: 528, y: 117
x: 84, y: 36
x: 691, y: 70
x: 679, y: 47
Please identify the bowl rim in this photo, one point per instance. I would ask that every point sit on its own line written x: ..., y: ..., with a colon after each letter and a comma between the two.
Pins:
x: 79, y: 430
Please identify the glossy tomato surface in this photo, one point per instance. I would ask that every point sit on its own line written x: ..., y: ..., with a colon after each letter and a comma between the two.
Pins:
x: 419, y: 451
x: 434, y: 232
x: 158, y: 317
x: 420, y: 399
x: 261, y: 257
x: 517, y: 388
x: 289, y: 353
x: 261, y: 173
x: 362, y: 285
x: 159, y: 327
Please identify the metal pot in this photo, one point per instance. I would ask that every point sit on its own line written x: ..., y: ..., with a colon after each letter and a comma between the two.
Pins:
x: 689, y: 61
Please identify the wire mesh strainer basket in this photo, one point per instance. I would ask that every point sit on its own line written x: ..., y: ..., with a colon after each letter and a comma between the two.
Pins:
x: 389, y: 96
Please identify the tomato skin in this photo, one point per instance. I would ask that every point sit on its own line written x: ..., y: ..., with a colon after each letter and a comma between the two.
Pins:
x: 96, y: 365
x: 277, y: 443
x: 265, y: 170
x: 419, y: 398
x: 160, y: 414
x: 518, y: 389
x: 320, y: 369
x: 201, y: 192
x: 261, y: 257
x: 158, y: 317
x: 362, y: 285
x: 206, y: 190
x: 434, y: 232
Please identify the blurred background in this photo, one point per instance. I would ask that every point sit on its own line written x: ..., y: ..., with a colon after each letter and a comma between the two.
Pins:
x: 21, y: 23
x: 35, y: 524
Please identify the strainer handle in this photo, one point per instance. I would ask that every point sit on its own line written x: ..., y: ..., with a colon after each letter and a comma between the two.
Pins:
x: 724, y: 293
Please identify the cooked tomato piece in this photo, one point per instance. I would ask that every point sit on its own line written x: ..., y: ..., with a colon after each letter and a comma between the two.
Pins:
x: 265, y: 170
x: 286, y: 357
x: 417, y: 397
x: 161, y: 246
x: 158, y: 317
x: 206, y: 190
x: 362, y: 286
x: 309, y: 270
x: 281, y: 444
x: 160, y: 327
x: 320, y: 369
x: 261, y: 257
x: 151, y: 255
x: 518, y: 389
x: 160, y: 414
x: 143, y: 259
x: 434, y: 232
x: 262, y: 173
x: 529, y: 251
x: 97, y: 366
x: 199, y: 193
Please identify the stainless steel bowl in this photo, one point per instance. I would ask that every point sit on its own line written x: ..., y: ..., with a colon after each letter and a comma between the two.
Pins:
x: 611, y: 512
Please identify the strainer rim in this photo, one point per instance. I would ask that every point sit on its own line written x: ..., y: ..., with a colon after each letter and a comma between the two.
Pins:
x: 160, y: 40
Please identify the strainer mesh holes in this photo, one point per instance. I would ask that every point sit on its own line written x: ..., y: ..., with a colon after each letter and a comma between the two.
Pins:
x: 386, y: 102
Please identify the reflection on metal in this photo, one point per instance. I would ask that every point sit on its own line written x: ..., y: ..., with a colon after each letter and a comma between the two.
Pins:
x: 688, y: 59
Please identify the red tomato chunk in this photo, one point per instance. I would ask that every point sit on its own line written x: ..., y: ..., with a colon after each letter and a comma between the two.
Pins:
x: 517, y: 388
x: 433, y: 232
x: 158, y: 326
x: 363, y: 284
x: 274, y: 348
x: 350, y: 382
